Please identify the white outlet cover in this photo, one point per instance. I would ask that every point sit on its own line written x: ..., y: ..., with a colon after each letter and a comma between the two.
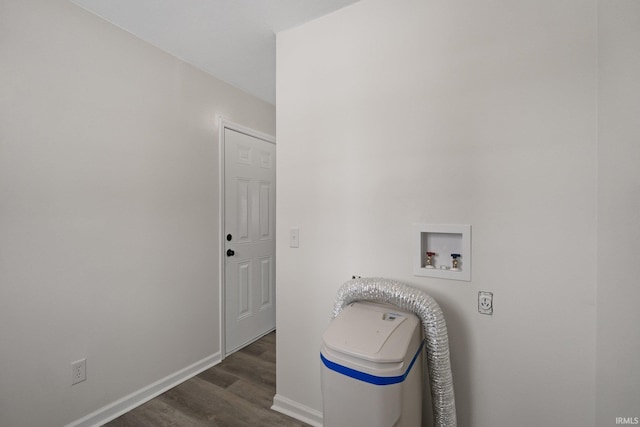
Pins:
x: 78, y: 371
x: 485, y: 302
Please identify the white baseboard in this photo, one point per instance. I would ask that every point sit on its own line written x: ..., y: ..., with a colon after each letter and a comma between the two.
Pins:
x: 297, y: 410
x: 137, y: 398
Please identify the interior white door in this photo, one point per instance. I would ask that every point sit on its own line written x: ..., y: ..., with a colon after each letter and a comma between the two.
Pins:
x: 249, y: 221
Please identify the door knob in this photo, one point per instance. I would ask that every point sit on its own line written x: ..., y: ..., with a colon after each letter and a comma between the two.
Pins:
x: 230, y: 252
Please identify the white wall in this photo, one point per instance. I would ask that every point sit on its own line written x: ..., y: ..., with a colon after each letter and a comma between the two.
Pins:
x: 618, y: 350
x: 397, y: 112
x: 108, y: 211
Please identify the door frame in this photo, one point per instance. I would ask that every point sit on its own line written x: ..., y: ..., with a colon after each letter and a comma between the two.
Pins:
x: 224, y: 124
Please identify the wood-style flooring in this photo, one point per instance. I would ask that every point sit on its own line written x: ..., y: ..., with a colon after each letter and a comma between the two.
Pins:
x: 237, y: 392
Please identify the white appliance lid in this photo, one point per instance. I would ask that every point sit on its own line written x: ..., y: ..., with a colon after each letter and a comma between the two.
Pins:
x: 363, y: 329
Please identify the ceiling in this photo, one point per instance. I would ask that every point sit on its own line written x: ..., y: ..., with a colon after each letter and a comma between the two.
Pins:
x: 234, y: 40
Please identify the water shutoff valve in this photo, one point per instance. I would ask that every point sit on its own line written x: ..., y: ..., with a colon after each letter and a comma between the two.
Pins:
x: 429, y: 262
x: 455, y: 262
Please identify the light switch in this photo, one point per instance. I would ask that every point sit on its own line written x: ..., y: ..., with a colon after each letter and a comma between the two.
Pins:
x: 294, y: 238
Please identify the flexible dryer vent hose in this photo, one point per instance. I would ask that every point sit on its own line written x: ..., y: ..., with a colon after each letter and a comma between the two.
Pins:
x: 435, y: 332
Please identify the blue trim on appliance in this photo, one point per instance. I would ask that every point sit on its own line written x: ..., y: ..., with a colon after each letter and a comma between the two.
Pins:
x: 368, y: 378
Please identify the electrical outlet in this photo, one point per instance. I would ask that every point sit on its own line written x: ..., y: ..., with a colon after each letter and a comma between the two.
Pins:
x: 485, y: 302
x: 78, y: 371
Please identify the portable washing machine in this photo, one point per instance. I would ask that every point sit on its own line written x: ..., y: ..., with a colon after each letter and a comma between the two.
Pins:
x: 372, y: 368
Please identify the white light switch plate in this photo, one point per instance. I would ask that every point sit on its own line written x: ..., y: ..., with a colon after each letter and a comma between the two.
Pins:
x: 294, y: 238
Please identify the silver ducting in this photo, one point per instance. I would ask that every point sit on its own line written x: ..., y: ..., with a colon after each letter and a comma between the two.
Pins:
x: 435, y: 332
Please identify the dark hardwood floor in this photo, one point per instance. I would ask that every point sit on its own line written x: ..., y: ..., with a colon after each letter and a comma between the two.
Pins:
x: 237, y: 392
